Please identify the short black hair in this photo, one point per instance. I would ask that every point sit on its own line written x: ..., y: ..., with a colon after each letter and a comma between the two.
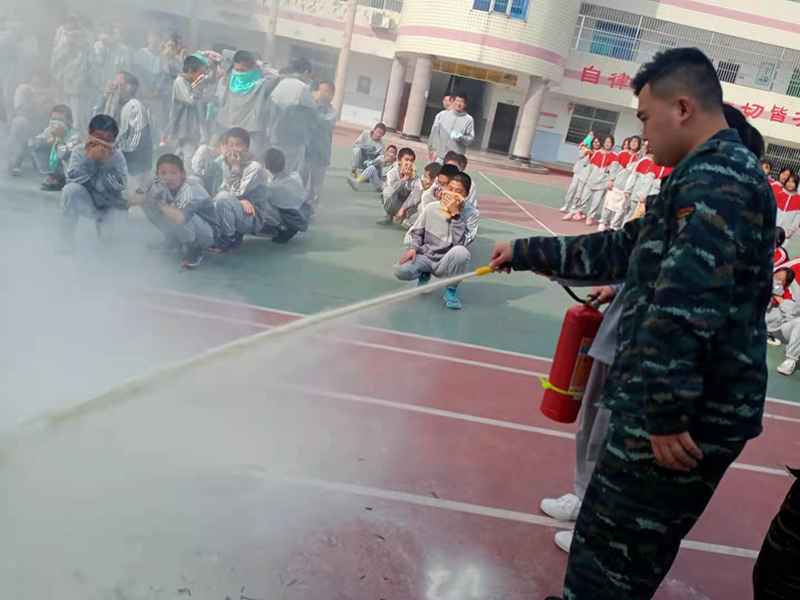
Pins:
x: 681, y: 71
x: 449, y: 171
x: 636, y: 137
x: 463, y: 160
x: 330, y: 84
x: 104, y: 123
x: 796, y: 178
x: 285, y: 71
x: 750, y: 136
x: 244, y: 57
x: 131, y: 80
x: 275, y: 161
x: 451, y: 156
x: 464, y: 180
x: 406, y: 152
x: 766, y: 162
x: 170, y: 159
x: 390, y: 146
x: 780, y: 236
x: 462, y: 95
x: 63, y: 109
x: 790, y: 276
x: 611, y: 137
x: 380, y: 126
x: 301, y: 65
x: 784, y: 169
x: 193, y: 63
x: 239, y: 134
x: 432, y: 169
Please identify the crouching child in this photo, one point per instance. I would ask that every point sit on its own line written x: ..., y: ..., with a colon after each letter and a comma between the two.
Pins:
x: 437, y: 241
x: 182, y: 210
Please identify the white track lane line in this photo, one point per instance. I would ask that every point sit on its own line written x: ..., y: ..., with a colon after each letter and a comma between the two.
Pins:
x: 485, y: 511
x: 382, y: 330
x: 522, y: 208
x: 448, y: 414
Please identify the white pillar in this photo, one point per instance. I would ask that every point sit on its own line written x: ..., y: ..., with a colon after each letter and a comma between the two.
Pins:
x: 394, y: 93
x: 534, y: 99
x: 272, y: 32
x: 423, y: 71
x: 344, y: 56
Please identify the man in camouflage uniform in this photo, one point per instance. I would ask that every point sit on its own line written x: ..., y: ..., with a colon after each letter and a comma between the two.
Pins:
x: 688, y: 383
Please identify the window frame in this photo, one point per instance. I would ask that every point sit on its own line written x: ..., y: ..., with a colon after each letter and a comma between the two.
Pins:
x: 508, y: 12
x: 595, y: 122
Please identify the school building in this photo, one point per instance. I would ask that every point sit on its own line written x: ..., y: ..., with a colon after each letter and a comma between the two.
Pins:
x: 540, y: 73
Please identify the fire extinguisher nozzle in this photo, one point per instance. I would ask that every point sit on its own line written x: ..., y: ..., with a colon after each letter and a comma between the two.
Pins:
x: 483, y: 271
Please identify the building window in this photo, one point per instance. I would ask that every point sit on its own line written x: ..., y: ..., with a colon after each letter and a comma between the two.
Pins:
x: 727, y: 71
x: 766, y: 73
x: 794, y: 84
x: 588, y: 118
x: 614, y: 40
x: 364, y: 83
x: 516, y: 9
x: 393, y: 5
x: 782, y: 157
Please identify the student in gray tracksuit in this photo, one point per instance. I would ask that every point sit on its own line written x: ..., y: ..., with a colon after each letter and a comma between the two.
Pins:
x: 452, y: 130
x: 291, y: 115
x: 367, y: 147
x: 580, y: 171
x: 96, y: 178
x: 318, y: 147
x: 783, y: 319
x: 52, y: 148
x: 593, y: 421
x: 181, y: 209
x: 186, y: 116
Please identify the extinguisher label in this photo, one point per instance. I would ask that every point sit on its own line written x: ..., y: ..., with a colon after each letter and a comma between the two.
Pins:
x: 583, y: 366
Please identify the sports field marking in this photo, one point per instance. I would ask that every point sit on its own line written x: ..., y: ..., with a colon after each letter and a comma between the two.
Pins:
x: 485, y: 511
x: 522, y: 208
x: 391, y: 332
x: 470, y: 418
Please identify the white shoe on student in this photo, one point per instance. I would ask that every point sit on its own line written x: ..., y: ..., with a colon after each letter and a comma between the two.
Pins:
x: 564, y: 540
x: 602, y: 227
x: 567, y: 217
x: 787, y: 367
x: 565, y: 508
x: 773, y: 341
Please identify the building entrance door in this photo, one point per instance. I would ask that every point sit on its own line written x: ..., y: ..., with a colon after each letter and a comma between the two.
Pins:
x: 505, y: 118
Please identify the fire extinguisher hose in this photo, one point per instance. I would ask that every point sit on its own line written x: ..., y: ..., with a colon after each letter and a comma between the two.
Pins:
x: 549, y: 386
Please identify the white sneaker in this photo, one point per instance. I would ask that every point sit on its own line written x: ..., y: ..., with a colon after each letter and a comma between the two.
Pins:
x: 602, y: 227
x: 565, y: 508
x: 787, y: 367
x: 773, y: 341
x: 564, y: 540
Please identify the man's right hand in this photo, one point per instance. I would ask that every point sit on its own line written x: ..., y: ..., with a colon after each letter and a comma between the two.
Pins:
x: 432, y: 155
x: 603, y: 294
x: 410, y: 255
x: 400, y: 215
x: 501, y: 257
x: 248, y: 207
x: 93, y: 151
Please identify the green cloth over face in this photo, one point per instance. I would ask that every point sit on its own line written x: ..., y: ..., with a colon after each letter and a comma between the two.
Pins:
x: 242, y: 83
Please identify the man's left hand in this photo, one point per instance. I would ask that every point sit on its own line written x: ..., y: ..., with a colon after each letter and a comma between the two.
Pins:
x: 677, y: 452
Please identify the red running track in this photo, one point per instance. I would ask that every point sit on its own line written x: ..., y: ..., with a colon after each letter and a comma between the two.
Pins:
x: 465, y: 460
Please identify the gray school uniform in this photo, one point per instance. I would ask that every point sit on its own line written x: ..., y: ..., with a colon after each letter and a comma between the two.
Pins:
x: 185, y: 117
x: 783, y: 322
x: 445, y: 124
x: 105, y: 63
x: 591, y: 202
x: 93, y: 191
x: 291, y: 117
x: 70, y: 67
x: 42, y: 151
x: 286, y: 193
x: 207, y: 165
x: 366, y: 149
x: 134, y: 138
x: 396, y: 191
x: 251, y: 184
x: 196, y: 205
x: 318, y: 151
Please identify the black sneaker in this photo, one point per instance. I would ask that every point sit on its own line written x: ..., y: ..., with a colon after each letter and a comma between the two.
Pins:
x: 192, y: 257
x: 284, y: 235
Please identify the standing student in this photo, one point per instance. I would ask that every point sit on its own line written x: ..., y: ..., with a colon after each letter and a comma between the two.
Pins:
x: 688, y: 385
x: 52, y: 148
x: 400, y: 182
x: 320, y: 142
x: 452, y: 129
x: 580, y: 171
x: 242, y: 97
x: 185, y: 113
x: 134, y: 139
x: 107, y: 58
x: 615, y: 207
x: 241, y: 203
x: 437, y: 241
x: 376, y: 170
x: 766, y: 165
x: 70, y: 68
x: 96, y: 178
x: 367, y: 148
x: 291, y: 114
x: 783, y: 319
x: 32, y: 103
x: 150, y: 66
x: 788, y: 203
x: 596, y: 181
x: 639, y: 184
x: 182, y: 210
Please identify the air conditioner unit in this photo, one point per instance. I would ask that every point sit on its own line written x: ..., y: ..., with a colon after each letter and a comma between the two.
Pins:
x: 380, y: 21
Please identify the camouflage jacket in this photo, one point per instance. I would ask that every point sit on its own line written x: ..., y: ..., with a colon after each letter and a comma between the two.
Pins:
x: 691, y: 350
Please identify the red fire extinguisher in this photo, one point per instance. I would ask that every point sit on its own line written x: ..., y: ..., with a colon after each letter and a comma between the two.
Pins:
x: 571, y: 365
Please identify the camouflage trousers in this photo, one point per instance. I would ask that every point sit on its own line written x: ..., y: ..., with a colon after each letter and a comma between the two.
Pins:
x: 636, y: 512
x: 776, y: 574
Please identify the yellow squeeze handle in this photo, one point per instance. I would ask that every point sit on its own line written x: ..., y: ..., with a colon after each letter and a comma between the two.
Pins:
x: 483, y: 271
